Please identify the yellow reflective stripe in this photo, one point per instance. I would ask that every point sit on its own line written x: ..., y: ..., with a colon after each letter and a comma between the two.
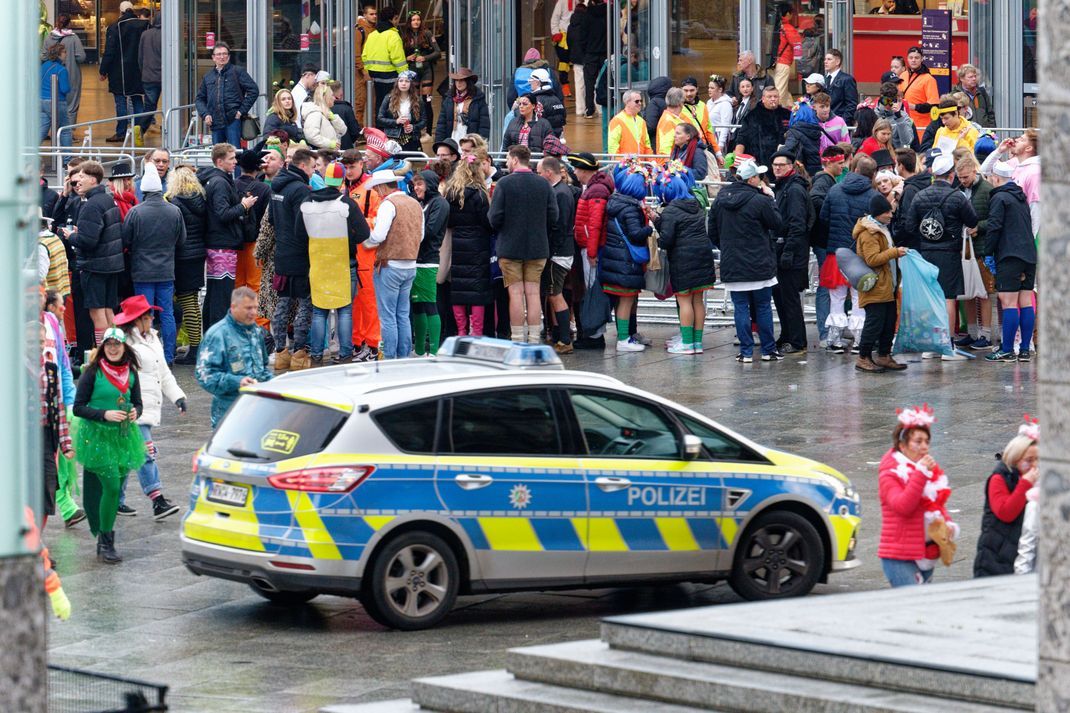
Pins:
x: 729, y: 529
x: 319, y: 540
x: 377, y: 521
x: 843, y: 526
x: 676, y: 533
x: 239, y: 529
x: 512, y: 534
x: 603, y: 536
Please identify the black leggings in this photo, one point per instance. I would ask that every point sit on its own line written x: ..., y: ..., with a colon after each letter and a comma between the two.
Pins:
x: 878, y: 329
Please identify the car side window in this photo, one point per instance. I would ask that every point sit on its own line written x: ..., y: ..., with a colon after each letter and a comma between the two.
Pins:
x: 620, y: 427
x: 513, y: 421
x: 718, y: 445
x: 411, y: 427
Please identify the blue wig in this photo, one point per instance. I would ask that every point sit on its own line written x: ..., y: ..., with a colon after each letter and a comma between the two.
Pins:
x: 674, y: 189
x: 631, y: 184
x: 803, y: 115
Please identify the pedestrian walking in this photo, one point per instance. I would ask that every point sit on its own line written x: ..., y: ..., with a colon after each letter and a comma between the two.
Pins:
x: 119, y: 67
x: 54, y: 66
x: 427, y: 325
x: 186, y: 192
x: 157, y: 383
x: 150, y: 60
x: 1015, y: 474
x: 789, y: 48
x: 225, y: 95
x: 75, y: 56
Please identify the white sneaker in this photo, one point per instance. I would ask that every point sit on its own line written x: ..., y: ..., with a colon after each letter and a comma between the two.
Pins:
x: 673, y: 341
x: 630, y: 345
x: 680, y: 348
x: 954, y: 357
x: 929, y: 355
x: 697, y: 346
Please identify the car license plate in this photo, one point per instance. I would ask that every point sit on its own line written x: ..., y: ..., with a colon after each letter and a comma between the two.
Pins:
x: 227, y: 494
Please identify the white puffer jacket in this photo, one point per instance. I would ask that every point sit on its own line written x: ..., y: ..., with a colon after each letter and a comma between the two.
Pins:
x: 157, y: 380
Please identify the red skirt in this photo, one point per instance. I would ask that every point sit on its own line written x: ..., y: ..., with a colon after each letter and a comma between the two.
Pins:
x: 831, y: 277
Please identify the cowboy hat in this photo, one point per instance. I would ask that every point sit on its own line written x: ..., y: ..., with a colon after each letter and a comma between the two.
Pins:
x: 382, y: 178
x: 132, y: 308
x: 463, y: 73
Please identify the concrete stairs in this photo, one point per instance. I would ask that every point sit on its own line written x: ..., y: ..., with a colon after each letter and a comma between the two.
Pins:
x: 769, y: 657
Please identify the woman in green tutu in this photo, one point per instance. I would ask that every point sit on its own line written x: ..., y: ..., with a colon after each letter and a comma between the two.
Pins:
x: 108, y: 442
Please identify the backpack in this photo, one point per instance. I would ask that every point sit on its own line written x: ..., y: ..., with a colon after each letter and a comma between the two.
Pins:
x: 931, y: 227
x: 813, y: 54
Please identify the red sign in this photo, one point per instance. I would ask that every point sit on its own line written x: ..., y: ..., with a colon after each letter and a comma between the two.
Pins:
x: 304, y: 42
x: 209, y: 40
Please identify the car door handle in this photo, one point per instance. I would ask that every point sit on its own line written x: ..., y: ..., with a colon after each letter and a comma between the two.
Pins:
x: 468, y: 481
x: 612, y: 485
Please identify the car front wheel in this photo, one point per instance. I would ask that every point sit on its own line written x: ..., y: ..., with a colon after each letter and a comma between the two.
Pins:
x: 414, y: 582
x: 780, y: 555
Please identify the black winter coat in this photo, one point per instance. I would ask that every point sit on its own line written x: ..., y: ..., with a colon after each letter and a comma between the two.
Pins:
x: 120, y: 61
x: 742, y: 222
x: 540, y: 129
x: 997, y: 545
x: 804, y: 142
x: 152, y: 232
x: 98, y: 242
x: 471, y: 244
x: 478, y: 117
x: 344, y: 111
x: 436, y: 216
x: 289, y: 190
x: 194, y: 215
x: 1010, y: 227
x: 576, y: 36
x: 562, y: 242
x: 615, y: 265
x: 655, y: 92
x: 796, y: 217
x: 553, y: 110
x: 221, y: 94
x: 388, y: 121
x: 901, y: 233
x: 250, y: 184
x: 594, y: 45
x: 49, y: 199
x: 682, y: 232
x: 819, y: 189
x: 762, y: 132
x: 522, y: 213
x: 274, y: 122
x: 845, y: 203
x: 957, y: 211
x: 225, y: 227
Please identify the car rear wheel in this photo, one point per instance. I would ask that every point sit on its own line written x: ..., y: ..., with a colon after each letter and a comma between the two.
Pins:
x: 284, y: 598
x: 780, y: 555
x: 414, y: 582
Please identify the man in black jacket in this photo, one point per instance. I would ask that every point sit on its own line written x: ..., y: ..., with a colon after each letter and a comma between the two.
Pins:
x: 227, y: 93
x: 228, y: 214
x: 289, y: 190
x: 937, y: 214
x: 763, y: 128
x: 522, y: 212
x: 152, y: 232
x: 252, y: 181
x: 793, y: 252
x: 914, y: 181
x: 562, y: 250
x: 833, y: 164
x: 840, y: 86
x: 98, y: 243
x: 594, y: 49
x: 119, y: 65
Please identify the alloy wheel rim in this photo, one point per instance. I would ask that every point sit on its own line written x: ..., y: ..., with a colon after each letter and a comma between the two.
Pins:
x: 776, y: 559
x: 417, y: 581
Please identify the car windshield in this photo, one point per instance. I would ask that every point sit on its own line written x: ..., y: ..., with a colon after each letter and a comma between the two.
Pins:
x: 270, y: 429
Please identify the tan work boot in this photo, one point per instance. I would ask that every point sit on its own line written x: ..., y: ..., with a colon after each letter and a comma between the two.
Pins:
x: 866, y: 364
x: 301, y: 360
x: 888, y: 362
x: 282, y: 361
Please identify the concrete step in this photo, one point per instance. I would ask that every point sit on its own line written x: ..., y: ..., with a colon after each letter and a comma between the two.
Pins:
x: 398, y: 705
x: 593, y: 666
x: 499, y: 692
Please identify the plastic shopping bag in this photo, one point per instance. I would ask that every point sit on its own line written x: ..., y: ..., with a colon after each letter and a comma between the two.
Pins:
x: 595, y: 310
x: 923, y: 315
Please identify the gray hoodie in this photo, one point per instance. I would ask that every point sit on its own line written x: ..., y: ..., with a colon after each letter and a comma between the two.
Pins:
x: 149, y: 52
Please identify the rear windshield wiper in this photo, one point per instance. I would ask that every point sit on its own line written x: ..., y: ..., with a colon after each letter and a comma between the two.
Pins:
x: 242, y: 453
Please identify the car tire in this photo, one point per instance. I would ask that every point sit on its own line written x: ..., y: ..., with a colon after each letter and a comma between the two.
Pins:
x: 779, y: 555
x: 286, y: 598
x: 414, y: 582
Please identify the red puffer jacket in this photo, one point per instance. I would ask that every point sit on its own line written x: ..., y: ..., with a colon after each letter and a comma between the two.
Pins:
x: 591, y: 213
x: 902, y: 508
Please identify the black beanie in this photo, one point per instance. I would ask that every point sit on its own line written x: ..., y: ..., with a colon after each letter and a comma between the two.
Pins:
x: 879, y: 205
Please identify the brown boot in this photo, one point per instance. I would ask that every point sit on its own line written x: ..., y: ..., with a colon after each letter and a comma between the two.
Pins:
x: 301, y: 360
x: 888, y: 362
x: 282, y: 361
x: 866, y: 364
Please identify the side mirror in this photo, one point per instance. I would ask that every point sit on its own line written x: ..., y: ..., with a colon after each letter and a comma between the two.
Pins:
x: 692, y: 446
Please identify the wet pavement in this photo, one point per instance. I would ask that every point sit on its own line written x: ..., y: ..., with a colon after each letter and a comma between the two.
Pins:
x: 222, y: 648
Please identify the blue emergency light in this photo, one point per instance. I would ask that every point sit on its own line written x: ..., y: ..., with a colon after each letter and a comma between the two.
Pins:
x: 501, y: 351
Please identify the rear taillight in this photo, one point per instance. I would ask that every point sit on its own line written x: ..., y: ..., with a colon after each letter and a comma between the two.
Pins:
x: 334, y: 479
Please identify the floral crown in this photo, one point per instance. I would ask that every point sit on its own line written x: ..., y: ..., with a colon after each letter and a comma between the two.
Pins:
x: 916, y: 416
x: 1030, y: 429
x: 632, y: 164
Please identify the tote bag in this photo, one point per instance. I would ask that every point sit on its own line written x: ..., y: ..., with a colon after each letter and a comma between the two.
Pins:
x: 974, y: 284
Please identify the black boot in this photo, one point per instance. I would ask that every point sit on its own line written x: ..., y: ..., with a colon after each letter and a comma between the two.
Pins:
x: 429, y: 112
x: 106, y: 548
x: 190, y: 358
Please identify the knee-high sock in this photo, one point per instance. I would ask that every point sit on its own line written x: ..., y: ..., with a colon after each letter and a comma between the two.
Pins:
x: 1010, y: 328
x: 419, y: 328
x: 191, y: 316
x: 1027, y: 318
x: 434, y: 332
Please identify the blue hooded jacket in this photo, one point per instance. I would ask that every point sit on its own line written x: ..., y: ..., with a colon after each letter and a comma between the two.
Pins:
x: 228, y: 353
x: 845, y: 203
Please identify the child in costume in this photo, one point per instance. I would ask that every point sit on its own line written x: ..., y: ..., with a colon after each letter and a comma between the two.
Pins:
x: 108, y: 442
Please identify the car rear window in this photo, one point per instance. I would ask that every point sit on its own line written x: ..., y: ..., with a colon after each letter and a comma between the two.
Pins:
x: 267, y: 429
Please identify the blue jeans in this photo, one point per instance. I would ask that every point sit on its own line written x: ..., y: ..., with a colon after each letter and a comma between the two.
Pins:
x: 148, y: 474
x: 162, y: 295
x: 319, y: 331
x: 228, y: 133
x: 61, y: 119
x: 392, y: 289
x: 126, y: 104
x: 741, y: 309
x: 152, y: 100
x: 821, y: 300
x: 904, y: 573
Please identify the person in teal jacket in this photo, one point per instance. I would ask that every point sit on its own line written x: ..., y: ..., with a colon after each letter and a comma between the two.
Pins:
x: 232, y: 354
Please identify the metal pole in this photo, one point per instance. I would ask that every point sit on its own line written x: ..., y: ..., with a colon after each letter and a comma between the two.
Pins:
x: 55, y: 124
x: 369, y: 105
x: 172, y: 66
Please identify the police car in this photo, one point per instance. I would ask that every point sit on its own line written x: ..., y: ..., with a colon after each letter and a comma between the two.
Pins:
x: 489, y: 468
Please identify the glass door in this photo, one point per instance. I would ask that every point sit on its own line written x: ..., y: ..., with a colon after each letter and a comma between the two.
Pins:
x: 297, y: 38
x: 638, y: 38
x: 482, y: 38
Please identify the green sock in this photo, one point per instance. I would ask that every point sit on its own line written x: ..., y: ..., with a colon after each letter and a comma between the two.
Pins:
x: 687, y: 335
x: 622, y: 329
x: 697, y: 339
x: 434, y: 331
x: 419, y: 326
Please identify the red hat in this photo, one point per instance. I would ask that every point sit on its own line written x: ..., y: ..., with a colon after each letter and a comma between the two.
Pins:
x: 132, y: 308
x: 376, y: 141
